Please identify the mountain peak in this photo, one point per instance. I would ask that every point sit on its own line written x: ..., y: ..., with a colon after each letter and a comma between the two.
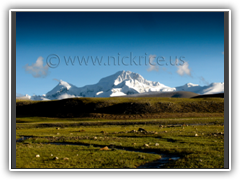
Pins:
x: 64, y: 84
x: 125, y: 83
x: 120, y: 76
x: 128, y: 75
x: 62, y: 87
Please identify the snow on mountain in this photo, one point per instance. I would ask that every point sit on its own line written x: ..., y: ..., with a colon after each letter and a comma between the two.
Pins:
x: 34, y: 97
x: 212, y: 88
x: 113, y: 92
x: 39, y: 98
x: 63, y: 88
x: 65, y: 96
x: 189, y: 87
x: 120, y: 84
x: 23, y: 97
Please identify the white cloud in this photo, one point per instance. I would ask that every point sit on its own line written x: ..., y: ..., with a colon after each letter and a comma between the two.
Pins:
x: 37, y: 69
x: 202, y: 79
x: 152, y: 66
x: 56, y: 80
x: 183, y: 69
x: 223, y: 52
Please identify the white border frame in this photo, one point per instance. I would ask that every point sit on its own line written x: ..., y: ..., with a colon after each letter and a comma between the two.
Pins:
x: 119, y: 10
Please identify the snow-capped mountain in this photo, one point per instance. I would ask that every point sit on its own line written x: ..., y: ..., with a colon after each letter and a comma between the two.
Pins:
x: 61, y: 89
x: 212, y: 88
x: 120, y: 84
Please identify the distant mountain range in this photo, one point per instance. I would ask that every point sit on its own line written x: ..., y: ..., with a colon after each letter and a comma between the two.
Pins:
x: 121, y: 83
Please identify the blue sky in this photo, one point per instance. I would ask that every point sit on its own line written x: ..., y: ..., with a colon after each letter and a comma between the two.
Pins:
x: 197, y: 36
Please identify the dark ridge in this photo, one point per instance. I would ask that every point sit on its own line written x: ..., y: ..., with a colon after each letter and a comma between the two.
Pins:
x: 219, y: 95
x: 176, y: 94
x: 84, y: 107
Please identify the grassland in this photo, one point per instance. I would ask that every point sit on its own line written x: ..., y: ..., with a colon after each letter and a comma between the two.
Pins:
x: 203, y: 151
x: 197, y: 137
x: 77, y: 157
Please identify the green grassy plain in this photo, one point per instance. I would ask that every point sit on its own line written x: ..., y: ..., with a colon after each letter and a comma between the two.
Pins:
x: 70, y: 156
x: 204, y: 150
x: 190, y: 129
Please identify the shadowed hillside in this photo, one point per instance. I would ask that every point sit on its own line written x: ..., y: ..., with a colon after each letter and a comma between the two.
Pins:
x: 83, y: 107
x: 178, y: 94
x: 219, y: 95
